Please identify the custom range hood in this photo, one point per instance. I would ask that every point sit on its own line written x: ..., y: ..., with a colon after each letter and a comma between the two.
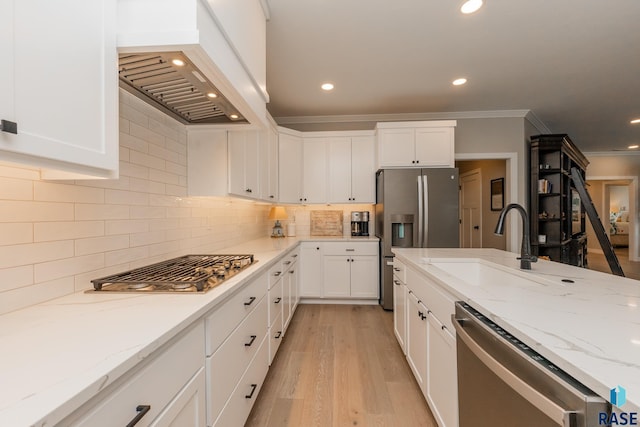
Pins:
x: 172, y: 83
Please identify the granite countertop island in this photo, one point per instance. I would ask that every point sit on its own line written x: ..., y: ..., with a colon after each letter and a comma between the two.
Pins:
x: 586, y: 322
x: 56, y: 355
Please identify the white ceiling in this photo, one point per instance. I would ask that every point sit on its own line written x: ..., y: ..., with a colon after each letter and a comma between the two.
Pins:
x: 574, y: 63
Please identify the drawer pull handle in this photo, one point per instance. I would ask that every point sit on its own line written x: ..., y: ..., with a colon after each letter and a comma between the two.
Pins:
x: 250, y: 343
x: 251, y: 300
x: 142, y: 411
x: 350, y: 250
x: 253, y: 390
x: 277, y: 273
x: 9, y: 127
x: 294, y: 255
x: 443, y: 327
x: 287, y: 262
x: 278, y: 335
x: 396, y: 282
x: 277, y: 300
x: 421, y: 315
x: 291, y: 271
x: 396, y: 269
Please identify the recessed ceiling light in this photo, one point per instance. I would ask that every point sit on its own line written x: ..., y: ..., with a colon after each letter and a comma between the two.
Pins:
x: 212, y: 95
x: 631, y: 147
x: 634, y: 121
x: 458, y: 82
x: 178, y: 62
x: 327, y: 86
x: 233, y: 116
x: 471, y: 6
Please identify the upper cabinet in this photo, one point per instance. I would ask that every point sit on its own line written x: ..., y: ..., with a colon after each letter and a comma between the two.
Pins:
x: 224, y: 39
x: 352, y: 169
x: 314, y: 170
x: 289, y: 166
x: 244, y: 162
x: 416, y: 144
x: 60, y: 87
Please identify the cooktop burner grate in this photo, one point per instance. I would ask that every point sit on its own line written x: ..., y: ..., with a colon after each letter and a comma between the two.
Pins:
x: 195, y: 273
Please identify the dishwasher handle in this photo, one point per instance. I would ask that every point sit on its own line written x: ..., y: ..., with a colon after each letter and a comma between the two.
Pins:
x: 558, y: 414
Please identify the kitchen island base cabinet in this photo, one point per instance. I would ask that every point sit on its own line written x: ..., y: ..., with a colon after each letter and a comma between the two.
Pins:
x: 442, y: 375
x: 417, y: 339
x: 171, y: 385
x: 400, y: 313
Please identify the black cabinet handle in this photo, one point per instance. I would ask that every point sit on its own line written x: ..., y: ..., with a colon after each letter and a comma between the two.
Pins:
x: 287, y: 262
x: 417, y: 161
x: 272, y: 197
x: 317, y: 248
x: 277, y: 301
x: 278, y: 335
x: 142, y: 411
x: 291, y: 271
x: 250, y: 343
x: 277, y: 273
x: 443, y: 327
x: 251, y: 300
x: 253, y: 390
x: 9, y: 127
x: 294, y: 255
x: 396, y: 269
x: 476, y: 227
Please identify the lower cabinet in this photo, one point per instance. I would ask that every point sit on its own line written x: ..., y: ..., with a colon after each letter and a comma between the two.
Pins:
x: 422, y: 325
x: 350, y: 270
x: 167, y: 391
x: 311, y: 254
x: 417, y: 339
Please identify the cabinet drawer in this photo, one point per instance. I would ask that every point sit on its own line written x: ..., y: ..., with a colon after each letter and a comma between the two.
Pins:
x: 276, y: 333
x: 229, y: 362
x: 351, y: 248
x: 154, y: 385
x: 244, y: 396
x: 275, y: 274
x: 289, y: 259
x: 275, y: 302
x: 230, y: 313
x: 399, y: 270
x: 437, y: 300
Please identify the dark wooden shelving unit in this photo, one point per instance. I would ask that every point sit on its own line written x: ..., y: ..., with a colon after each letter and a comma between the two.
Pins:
x: 558, y: 228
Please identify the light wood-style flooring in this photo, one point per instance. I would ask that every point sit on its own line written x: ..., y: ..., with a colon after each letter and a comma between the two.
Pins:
x: 340, y: 365
x: 598, y: 262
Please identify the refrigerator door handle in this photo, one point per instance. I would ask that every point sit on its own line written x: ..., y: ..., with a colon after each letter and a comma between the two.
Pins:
x: 420, y: 212
x: 425, y: 209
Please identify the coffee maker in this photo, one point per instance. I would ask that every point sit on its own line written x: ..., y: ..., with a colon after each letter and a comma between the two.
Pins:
x: 360, y: 223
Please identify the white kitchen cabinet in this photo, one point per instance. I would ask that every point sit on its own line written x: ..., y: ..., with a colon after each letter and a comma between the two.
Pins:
x: 400, y: 312
x: 351, y: 169
x: 417, y: 339
x: 442, y: 375
x: 290, y: 286
x: 416, y: 144
x: 289, y: 168
x: 60, y: 86
x: 311, y: 269
x: 269, y: 192
x: 244, y: 163
x: 314, y: 170
x: 350, y: 270
x: 171, y: 382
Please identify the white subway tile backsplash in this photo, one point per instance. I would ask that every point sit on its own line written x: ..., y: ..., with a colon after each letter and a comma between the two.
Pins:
x: 66, y: 230
x: 100, y: 212
x: 161, y: 176
x: 67, y: 267
x: 133, y: 116
x: 40, y: 292
x: 149, y: 238
x: 47, y: 191
x: 146, y: 134
x: 14, y: 233
x: 134, y: 143
x: 96, y: 245
x: 147, y: 212
x: 126, y: 255
x: 163, y: 129
x: 134, y: 171
x: 11, y: 170
x: 27, y: 211
x: 127, y: 226
x: 147, y: 160
x: 119, y: 197
x: 15, y: 277
x: 16, y: 189
x: 32, y: 253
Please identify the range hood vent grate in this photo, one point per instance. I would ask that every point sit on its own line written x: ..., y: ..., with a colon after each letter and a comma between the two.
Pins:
x: 179, y: 90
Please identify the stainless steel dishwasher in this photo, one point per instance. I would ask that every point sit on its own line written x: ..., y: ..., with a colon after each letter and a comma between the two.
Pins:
x: 503, y: 382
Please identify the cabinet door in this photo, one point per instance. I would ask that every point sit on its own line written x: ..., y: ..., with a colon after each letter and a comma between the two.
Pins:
x: 364, y: 277
x: 396, y: 147
x: 252, y: 164
x: 263, y: 165
x: 442, y: 390
x: 311, y: 270
x: 337, y: 277
x: 434, y: 147
x: 271, y: 194
x: 59, y: 72
x: 236, y: 146
x: 400, y: 313
x: 314, y: 170
x: 289, y: 168
x: 417, y: 339
x: 286, y: 299
x: 340, y: 170
x: 188, y: 407
x: 363, y: 169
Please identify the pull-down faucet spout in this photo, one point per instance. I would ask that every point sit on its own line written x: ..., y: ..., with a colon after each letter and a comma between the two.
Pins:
x: 525, y: 252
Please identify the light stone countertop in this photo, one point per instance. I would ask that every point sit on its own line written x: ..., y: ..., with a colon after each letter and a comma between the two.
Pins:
x: 56, y: 355
x: 589, y: 328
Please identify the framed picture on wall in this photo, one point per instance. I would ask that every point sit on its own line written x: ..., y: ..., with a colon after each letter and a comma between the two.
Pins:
x: 497, y: 194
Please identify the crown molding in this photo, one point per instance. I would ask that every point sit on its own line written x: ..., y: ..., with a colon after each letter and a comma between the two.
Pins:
x: 537, y: 123
x: 406, y: 116
x: 617, y: 153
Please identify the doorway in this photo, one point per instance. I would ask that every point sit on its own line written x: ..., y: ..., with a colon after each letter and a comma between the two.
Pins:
x: 471, y: 209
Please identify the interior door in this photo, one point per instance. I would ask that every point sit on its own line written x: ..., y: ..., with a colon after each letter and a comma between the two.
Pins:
x: 471, y: 209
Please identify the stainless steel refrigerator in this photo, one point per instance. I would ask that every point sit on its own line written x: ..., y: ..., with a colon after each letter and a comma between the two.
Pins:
x: 415, y: 208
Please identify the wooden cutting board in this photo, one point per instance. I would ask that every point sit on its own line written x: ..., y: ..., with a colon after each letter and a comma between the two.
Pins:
x: 326, y: 223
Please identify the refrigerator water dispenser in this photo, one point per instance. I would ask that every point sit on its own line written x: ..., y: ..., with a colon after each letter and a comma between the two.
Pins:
x: 402, y: 231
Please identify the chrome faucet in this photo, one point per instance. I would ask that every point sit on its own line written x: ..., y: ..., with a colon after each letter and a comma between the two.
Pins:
x: 525, y: 252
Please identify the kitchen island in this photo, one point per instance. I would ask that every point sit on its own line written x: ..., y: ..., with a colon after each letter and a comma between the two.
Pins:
x: 586, y: 322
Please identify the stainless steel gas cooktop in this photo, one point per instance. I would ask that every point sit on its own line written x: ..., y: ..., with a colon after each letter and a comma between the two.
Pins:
x: 186, y: 274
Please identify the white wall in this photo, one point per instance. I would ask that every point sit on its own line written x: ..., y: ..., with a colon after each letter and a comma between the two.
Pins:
x: 57, y: 236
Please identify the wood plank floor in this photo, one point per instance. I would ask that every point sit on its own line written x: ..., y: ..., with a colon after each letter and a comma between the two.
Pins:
x: 598, y: 262
x: 340, y: 365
